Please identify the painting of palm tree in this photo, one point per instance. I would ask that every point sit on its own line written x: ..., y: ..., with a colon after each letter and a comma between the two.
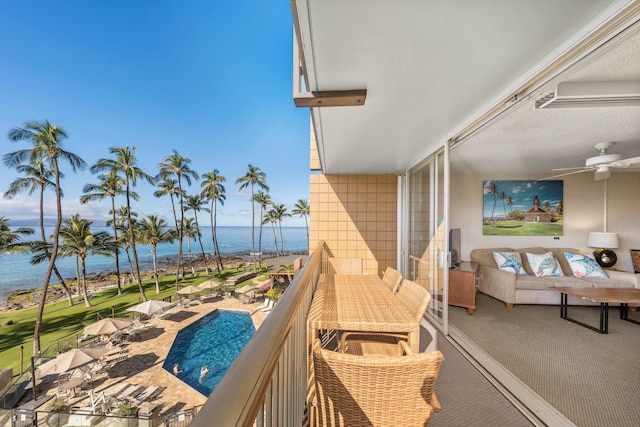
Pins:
x: 535, y: 208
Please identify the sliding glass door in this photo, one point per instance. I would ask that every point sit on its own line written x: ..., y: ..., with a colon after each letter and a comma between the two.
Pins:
x: 425, y: 245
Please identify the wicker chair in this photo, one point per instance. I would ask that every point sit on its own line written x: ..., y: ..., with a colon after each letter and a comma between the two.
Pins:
x: 392, y: 277
x: 373, y: 391
x: 345, y: 265
x: 414, y: 298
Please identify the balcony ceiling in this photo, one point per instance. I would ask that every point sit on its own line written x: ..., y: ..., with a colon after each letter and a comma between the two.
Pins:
x: 431, y: 67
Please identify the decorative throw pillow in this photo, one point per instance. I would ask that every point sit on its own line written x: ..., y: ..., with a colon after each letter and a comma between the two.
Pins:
x: 544, y: 264
x: 509, y: 261
x: 584, y: 266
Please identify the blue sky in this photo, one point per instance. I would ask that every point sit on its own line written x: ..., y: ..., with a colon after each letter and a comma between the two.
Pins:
x: 211, y: 79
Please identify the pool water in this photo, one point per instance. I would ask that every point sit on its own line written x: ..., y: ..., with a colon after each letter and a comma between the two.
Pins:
x: 214, y: 340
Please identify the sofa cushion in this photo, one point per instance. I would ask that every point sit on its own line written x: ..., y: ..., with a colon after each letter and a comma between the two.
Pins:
x: 532, y: 282
x: 509, y: 261
x: 544, y: 265
x: 584, y: 266
x: 599, y: 282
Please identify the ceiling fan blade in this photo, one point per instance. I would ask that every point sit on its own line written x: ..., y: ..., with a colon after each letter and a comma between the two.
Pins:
x: 600, y: 175
x: 564, y: 174
x: 569, y: 169
x: 626, y: 162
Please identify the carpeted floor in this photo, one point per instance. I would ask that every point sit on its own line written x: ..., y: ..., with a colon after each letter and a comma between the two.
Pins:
x: 593, y: 379
x: 468, y: 398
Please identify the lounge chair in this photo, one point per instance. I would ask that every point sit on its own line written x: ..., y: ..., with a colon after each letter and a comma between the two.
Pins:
x: 138, y: 324
x: 147, y: 393
x: 130, y: 393
x: 269, y: 306
x: 264, y: 304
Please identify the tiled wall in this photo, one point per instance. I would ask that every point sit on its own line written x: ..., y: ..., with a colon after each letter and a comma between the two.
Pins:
x: 356, y: 216
x: 314, y: 158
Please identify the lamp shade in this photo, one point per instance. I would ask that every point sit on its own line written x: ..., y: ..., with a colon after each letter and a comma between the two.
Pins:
x: 602, y: 240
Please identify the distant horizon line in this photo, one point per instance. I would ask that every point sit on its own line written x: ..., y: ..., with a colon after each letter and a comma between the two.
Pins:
x: 36, y: 223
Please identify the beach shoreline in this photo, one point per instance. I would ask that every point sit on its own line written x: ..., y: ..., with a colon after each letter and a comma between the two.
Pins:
x: 30, y: 297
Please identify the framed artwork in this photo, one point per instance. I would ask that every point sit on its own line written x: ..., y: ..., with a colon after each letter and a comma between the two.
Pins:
x: 522, y: 208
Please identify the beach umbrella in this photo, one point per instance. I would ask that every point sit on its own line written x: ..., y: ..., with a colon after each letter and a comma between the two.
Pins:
x: 246, y: 289
x: 150, y: 306
x: 72, y: 359
x: 106, y: 326
x: 209, y: 284
x: 189, y: 290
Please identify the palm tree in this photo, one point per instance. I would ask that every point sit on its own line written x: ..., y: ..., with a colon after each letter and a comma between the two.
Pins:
x: 10, y: 239
x: 264, y: 200
x: 121, y: 221
x: 254, y: 176
x: 280, y: 211
x: 510, y: 203
x: 270, y: 217
x: 175, y: 164
x: 502, y: 196
x: 493, y: 189
x: 191, y: 231
x: 109, y: 185
x: 214, y: 191
x: 125, y: 162
x: 153, y: 231
x: 38, y: 177
x: 169, y: 187
x: 78, y: 240
x: 195, y: 203
x: 47, y: 147
x: 302, y: 209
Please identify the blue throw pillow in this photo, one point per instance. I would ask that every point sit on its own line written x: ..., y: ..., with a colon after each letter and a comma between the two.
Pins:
x: 509, y: 261
x: 584, y: 266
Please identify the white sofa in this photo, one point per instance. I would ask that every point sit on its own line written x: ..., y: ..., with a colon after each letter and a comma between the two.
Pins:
x: 519, y: 289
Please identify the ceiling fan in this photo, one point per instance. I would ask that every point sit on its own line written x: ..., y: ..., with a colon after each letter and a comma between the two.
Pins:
x: 601, y: 164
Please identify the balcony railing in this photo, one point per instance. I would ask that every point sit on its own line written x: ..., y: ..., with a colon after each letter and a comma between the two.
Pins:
x: 267, y: 384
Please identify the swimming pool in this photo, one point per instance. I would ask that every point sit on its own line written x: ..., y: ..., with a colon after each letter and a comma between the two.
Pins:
x: 214, y: 340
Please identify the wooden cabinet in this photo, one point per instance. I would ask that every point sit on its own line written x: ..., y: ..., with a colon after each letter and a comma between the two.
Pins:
x: 462, y: 286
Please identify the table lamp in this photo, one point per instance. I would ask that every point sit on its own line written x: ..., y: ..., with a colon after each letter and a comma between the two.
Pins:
x: 604, y: 242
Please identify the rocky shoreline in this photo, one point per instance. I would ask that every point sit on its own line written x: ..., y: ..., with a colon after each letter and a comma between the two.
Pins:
x: 26, y: 298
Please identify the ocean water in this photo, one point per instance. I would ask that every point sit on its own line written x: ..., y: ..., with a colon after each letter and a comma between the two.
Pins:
x: 16, y: 271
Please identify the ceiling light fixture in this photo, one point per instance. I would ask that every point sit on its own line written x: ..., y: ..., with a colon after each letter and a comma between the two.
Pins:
x: 591, y: 94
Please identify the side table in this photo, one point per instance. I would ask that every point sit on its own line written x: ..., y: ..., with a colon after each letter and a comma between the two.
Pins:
x: 462, y: 285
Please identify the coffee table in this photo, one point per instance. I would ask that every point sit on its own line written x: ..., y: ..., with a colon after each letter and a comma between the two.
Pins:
x: 604, y: 296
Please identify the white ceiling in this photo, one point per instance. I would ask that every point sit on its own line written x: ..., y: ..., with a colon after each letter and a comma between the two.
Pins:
x: 432, y: 67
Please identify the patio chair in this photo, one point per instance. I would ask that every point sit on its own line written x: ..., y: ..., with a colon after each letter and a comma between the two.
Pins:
x: 346, y: 265
x: 392, y: 277
x: 373, y: 391
x: 414, y: 298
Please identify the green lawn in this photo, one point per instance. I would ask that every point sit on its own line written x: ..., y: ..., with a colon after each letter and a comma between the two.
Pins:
x: 511, y: 228
x: 61, y: 321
